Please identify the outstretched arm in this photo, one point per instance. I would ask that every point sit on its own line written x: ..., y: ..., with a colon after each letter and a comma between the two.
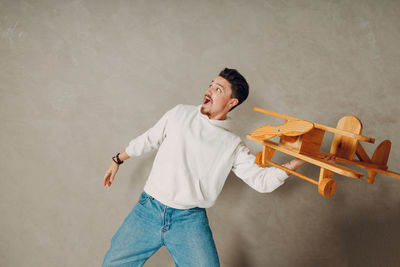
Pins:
x: 149, y: 140
x: 263, y: 180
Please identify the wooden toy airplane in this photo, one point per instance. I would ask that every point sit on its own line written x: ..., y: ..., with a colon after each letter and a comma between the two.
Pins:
x: 302, y: 139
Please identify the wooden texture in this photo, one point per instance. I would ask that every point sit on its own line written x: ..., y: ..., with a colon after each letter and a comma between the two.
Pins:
x: 303, y: 140
x: 289, y: 128
x: 327, y: 187
x: 314, y: 160
x: 386, y: 172
x: 292, y: 172
x: 289, y: 142
x: 343, y: 146
x: 269, y: 162
x: 289, y: 139
x: 319, y: 126
x: 366, y: 165
x: 311, y: 142
x: 361, y: 154
x: 259, y: 160
x: 380, y: 156
x: 264, y: 132
x: 308, y: 143
x: 267, y: 154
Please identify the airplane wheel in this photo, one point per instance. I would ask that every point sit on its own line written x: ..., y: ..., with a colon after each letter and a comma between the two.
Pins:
x: 258, y: 158
x: 327, y: 187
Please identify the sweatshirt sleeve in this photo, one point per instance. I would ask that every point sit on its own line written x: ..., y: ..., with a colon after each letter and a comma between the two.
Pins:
x: 151, y: 139
x: 264, y: 180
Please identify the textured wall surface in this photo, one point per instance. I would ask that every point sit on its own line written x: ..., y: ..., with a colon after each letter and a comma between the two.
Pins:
x: 80, y: 79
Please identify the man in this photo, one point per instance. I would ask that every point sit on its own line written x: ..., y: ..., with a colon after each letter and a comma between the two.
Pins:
x: 196, y: 153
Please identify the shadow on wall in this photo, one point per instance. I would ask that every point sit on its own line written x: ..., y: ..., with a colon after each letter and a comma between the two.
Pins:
x: 370, y: 240
x: 370, y: 235
x: 238, y: 255
x: 362, y: 232
x: 235, y: 256
x: 359, y: 226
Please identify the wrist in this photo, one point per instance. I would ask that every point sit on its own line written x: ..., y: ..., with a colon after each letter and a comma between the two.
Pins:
x: 117, y: 160
x: 295, y: 163
x: 288, y: 165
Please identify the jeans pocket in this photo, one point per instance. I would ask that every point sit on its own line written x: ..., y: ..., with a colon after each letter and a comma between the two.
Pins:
x: 143, y: 198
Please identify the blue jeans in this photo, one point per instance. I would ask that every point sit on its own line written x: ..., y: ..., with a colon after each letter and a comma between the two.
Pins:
x: 185, y: 233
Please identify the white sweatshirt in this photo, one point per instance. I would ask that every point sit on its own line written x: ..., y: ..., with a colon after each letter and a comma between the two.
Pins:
x: 195, y: 157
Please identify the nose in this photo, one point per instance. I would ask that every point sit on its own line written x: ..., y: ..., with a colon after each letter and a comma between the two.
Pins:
x: 209, y: 91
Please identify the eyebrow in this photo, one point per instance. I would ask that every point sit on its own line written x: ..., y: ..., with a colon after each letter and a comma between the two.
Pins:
x: 219, y: 85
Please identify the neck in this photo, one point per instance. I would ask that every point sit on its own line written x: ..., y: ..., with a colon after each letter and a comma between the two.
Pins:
x: 217, y: 116
x: 213, y: 116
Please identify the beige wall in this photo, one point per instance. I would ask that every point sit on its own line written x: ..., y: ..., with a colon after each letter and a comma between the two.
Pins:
x: 80, y: 79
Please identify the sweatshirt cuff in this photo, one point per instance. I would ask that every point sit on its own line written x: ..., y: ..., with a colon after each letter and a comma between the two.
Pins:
x: 282, y: 175
x: 129, y: 151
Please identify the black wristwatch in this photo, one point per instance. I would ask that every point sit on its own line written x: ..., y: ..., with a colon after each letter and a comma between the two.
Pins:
x: 118, y: 161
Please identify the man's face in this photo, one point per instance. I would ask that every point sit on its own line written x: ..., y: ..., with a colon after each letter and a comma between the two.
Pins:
x: 217, y: 100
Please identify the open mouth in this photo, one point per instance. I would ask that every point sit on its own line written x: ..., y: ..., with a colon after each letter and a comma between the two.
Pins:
x: 207, y: 100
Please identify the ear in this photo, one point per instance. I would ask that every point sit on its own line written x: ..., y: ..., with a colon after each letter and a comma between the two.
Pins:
x: 233, y: 102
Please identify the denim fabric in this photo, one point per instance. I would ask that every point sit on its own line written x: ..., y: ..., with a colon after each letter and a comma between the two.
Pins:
x: 185, y: 233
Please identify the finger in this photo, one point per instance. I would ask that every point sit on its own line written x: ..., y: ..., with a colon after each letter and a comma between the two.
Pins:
x: 112, y: 177
x: 328, y: 158
x: 106, y: 177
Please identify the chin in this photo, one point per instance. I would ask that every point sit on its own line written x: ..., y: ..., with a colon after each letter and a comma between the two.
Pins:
x: 204, y: 111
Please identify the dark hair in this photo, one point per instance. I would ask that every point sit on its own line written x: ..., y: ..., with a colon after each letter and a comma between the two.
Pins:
x: 240, y: 88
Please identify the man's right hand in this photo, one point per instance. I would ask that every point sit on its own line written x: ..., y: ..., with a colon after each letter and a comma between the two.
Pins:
x: 110, y: 174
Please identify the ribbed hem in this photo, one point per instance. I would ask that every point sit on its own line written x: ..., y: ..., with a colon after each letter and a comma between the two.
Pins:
x: 172, y: 204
